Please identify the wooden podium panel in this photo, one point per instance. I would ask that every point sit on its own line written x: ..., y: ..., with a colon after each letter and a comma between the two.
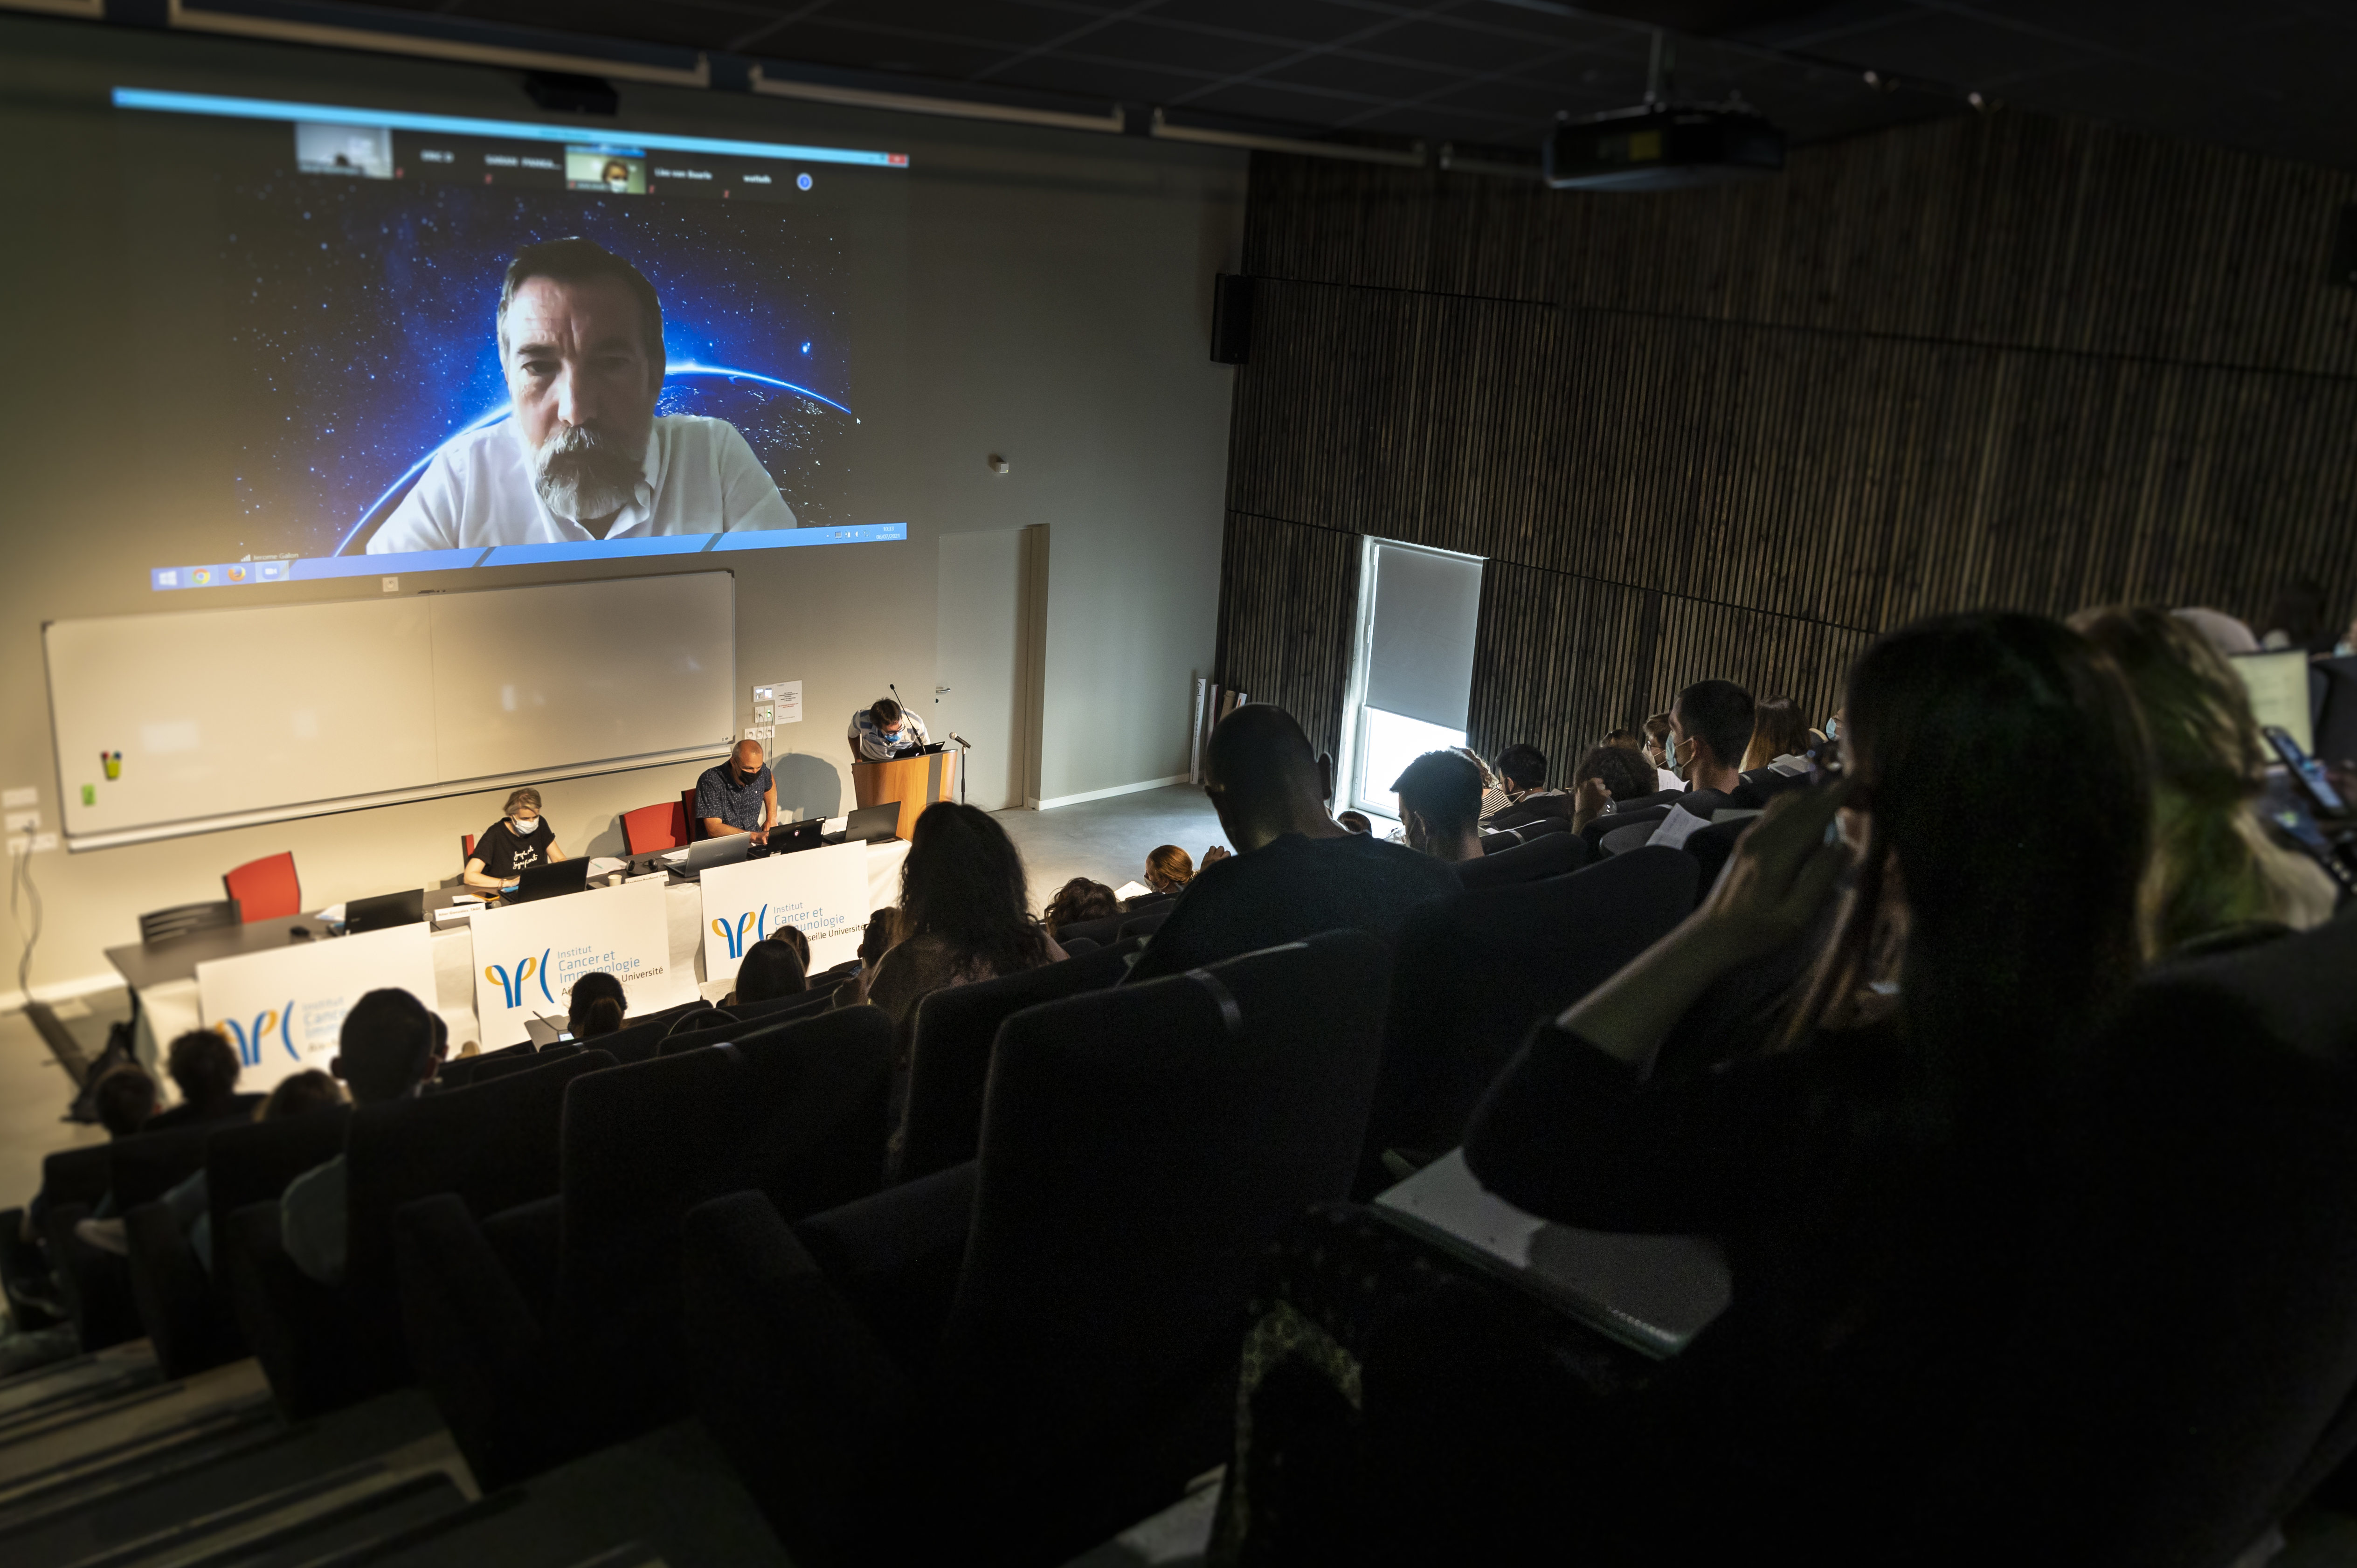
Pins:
x: 915, y: 782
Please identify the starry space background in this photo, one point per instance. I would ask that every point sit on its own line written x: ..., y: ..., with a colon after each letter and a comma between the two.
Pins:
x: 362, y: 315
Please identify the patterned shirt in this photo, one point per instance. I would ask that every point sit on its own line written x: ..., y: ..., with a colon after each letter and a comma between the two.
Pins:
x: 717, y: 794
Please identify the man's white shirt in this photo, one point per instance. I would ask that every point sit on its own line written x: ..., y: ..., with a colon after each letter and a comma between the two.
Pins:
x: 700, y: 477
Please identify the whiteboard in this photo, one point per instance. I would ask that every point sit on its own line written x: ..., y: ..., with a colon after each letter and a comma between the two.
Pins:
x: 228, y: 718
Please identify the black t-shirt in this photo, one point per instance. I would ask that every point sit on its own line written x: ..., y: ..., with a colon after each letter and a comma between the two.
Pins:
x: 504, y: 855
x: 1293, y: 888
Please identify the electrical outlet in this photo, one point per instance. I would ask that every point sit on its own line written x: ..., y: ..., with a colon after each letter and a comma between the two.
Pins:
x: 44, y: 842
x: 24, y: 821
x: 761, y: 732
x: 767, y: 716
x: 27, y: 796
x: 392, y: 585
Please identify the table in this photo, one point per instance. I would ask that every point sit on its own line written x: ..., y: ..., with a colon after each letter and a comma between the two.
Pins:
x: 162, y: 975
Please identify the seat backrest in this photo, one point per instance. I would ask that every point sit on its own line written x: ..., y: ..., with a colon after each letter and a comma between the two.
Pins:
x: 254, y: 1161
x: 1538, y: 827
x: 949, y: 1053
x: 640, y: 1038
x: 1141, y: 1146
x: 688, y: 819
x: 466, y: 848
x: 1145, y: 923
x: 163, y: 925
x: 494, y: 1145
x: 662, y: 825
x: 1105, y: 932
x: 75, y: 1175
x: 1477, y: 970
x: 500, y: 1064
x: 798, y: 1112
x: 1554, y: 854
x: 266, y: 889
x: 460, y: 1071
x: 1712, y: 848
x: 143, y: 1167
x: 2336, y: 720
x: 1613, y: 821
x: 817, y: 998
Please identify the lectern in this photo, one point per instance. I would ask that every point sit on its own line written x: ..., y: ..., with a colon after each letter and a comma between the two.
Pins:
x: 915, y: 782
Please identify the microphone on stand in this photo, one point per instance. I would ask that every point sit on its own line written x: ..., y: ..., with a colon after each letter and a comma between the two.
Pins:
x: 961, y: 740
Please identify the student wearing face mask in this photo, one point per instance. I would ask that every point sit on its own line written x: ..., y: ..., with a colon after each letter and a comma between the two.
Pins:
x: 518, y: 840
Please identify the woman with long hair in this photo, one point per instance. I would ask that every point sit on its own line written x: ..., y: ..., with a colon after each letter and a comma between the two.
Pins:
x: 1777, y: 730
x: 964, y: 913
x: 597, y: 1006
x: 2216, y: 877
x: 1168, y: 869
x: 1987, y: 843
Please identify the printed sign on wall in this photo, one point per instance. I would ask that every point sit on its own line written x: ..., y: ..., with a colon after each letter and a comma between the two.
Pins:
x: 527, y: 956
x: 822, y: 893
x: 284, y: 1009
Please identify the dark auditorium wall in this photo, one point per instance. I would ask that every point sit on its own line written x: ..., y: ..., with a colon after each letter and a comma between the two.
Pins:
x: 1990, y: 360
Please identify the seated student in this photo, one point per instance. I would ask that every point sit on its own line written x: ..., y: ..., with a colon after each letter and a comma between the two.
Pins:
x: 965, y: 913
x: 1657, y: 751
x: 1296, y: 870
x: 597, y: 1006
x: 519, y: 839
x: 1609, y: 779
x: 390, y: 1046
x: 189, y: 1202
x: 1524, y: 768
x: 1853, y: 1167
x: 1778, y: 757
x: 1077, y: 900
x: 1168, y: 869
x: 792, y: 936
x: 1356, y: 822
x: 771, y: 968
x: 124, y: 1098
x: 2216, y: 874
x: 204, y: 1067
x: 1495, y: 794
x: 1439, y: 802
x: 1710, y: 727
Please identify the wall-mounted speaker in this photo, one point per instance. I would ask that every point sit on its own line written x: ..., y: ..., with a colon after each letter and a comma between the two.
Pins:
x: 1232, y: 312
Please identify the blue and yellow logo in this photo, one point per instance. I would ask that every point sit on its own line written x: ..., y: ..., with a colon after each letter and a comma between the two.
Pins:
x: 527, y: 969
x: 755, y: 921
x: 249, y: 1041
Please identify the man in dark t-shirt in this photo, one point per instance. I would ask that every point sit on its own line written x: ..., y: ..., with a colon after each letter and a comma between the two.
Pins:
x: 1296, y: 871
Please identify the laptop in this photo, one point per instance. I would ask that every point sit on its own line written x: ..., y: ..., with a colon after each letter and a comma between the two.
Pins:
x: 383, y: 910
x: 788, y: 837
x: 549, y: 881
x: 869, y: 824
x: 704, y: 853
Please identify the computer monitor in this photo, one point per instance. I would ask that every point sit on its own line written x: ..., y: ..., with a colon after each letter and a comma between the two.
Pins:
x: 706, y: 854
x: 788, y: 837
x: 549, y: 881
x: 2278, y: 683
x: 383, y: 910
x: 871, y: 824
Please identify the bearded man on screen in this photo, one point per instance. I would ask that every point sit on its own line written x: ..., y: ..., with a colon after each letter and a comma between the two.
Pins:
x: 583, y: 456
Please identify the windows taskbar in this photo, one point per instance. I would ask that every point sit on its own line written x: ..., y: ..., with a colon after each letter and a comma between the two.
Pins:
x: 314, y: 568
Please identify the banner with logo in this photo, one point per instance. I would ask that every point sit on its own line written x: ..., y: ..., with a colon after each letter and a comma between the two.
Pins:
x: 527, y: 956
x: 822, y: 893
x: 284, y: 1009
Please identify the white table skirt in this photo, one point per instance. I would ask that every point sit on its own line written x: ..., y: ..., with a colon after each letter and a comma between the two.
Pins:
x: 170, y: 1010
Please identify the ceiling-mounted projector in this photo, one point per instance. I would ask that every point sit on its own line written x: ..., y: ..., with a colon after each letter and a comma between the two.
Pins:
x: 1662, y: 146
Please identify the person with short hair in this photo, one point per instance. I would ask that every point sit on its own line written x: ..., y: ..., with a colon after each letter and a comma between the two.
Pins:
x: 1710, y: 728
x: 1609, y: 778
x: 738, y: 795
x: 297, y: 1093
x: 1524, y: 768
x: 1657, y: 751
x: 1441, y: 804
x: 583, y: 454
x: 519, y: 841
x: 1296, y: 871
x: 1356, y: 822
x: 884, y: 730
x: 124, y: 1099
x: 1077, y: 900
x: 770, y: 970
x: 204, y: 1067
x: 391, y: 1044
x: 596, y: 1007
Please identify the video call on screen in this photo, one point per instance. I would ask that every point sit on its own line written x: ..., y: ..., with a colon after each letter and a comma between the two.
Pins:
x: 381, y: 425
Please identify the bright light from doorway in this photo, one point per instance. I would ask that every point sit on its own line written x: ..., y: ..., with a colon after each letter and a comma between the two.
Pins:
x: 1387, y: 744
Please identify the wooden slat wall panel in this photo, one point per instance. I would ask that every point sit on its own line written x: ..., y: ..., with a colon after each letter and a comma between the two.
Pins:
x: 1987, y: 361
x: 1288, y: 599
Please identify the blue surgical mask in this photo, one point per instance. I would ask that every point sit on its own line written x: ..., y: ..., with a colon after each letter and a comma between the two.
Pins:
x: 1832, y: 729
x: 1670, y: 751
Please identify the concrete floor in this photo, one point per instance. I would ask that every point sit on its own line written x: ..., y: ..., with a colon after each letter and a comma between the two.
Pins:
x: 1108, y: 839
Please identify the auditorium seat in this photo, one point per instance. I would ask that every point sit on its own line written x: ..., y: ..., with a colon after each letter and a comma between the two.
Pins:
x: 266, y: 890
x: 1140, y: 1147
x: 949, y: 1053
x: 639, y: 1039
x: 694, y: 823
x: 97, y: 1283
x: 662, y: 825
x: 1613, y: 821
x: 534, y: 1365
x: 183, y: 1306
x: 1712, y: 847
x: 163, y: 925
x: 1554, y: 854
x: 460, y: 1071
x: 1105, y: 932
x: 1143, y: 924
x: 494, y: 1145
x: 1478, y: 969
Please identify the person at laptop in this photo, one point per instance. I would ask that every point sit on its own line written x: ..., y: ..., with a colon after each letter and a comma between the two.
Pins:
x: 520, y: 839
x: 880, y: 732
x: 739, y: 796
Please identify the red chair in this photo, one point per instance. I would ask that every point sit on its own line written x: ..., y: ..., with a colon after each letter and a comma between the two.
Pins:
x: 688, y: 819
x: 266, y: 889
x: 466, y: 849
x: 662, y: 825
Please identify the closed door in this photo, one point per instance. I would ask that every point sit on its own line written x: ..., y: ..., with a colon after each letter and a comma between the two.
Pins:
x: 974, y: 682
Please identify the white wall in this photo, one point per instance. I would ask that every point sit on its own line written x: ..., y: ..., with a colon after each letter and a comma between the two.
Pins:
x: 1057, y: 312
